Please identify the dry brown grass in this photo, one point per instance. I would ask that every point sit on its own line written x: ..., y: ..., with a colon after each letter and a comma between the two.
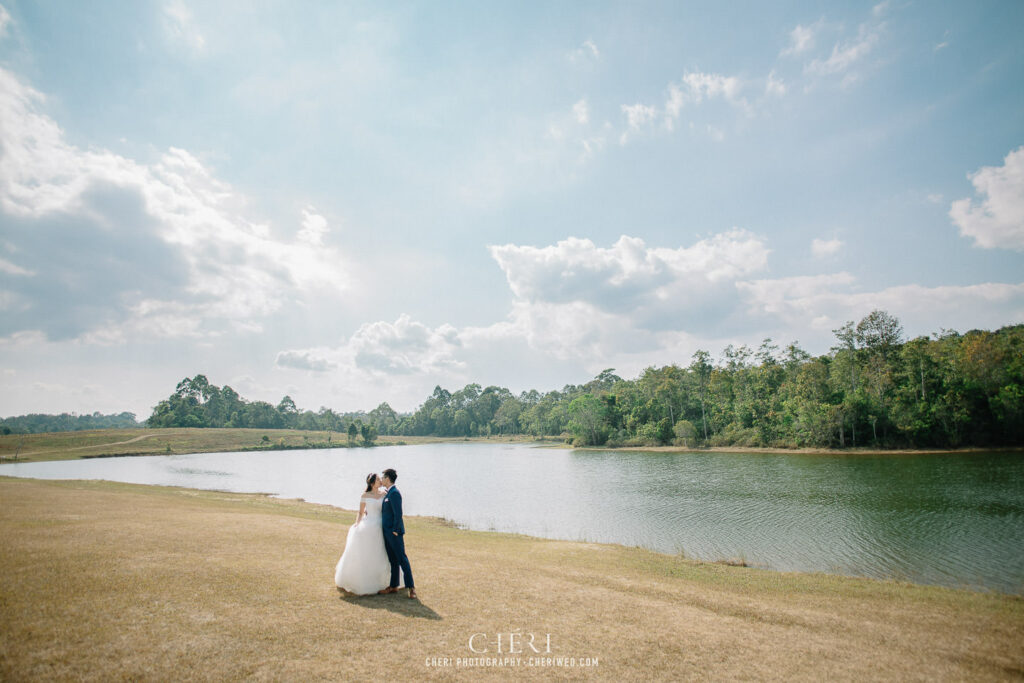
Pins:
x: 101, y: 442
x: 103, y: 581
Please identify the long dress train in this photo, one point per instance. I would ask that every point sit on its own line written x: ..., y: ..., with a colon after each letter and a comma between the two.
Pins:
x: 364, y: 568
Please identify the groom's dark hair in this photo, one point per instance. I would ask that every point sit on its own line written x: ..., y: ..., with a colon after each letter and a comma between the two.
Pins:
x: 391, y: 475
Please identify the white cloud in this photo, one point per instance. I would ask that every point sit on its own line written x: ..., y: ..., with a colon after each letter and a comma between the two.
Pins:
x: 997, y: 219
x: 5, y: 21
x: 404, y: 347
x: 315, y: 360
x: 179, y: 25
x: 715, y: 133
x: 577, y: 269
x: 594, y: 144
x: 674, y: 103
x: 846, y: 54
x: 582, y: 112
x: 586, y: 52
x: 702, y: 86
x: 130, y: 248
x: 567, y: 330
x: 14, y: 269
x: 790, y: 295
x: 314, y: 227
x: 774, y: 86
x: 695, y: 88
x: 10, y: 300
x: 649, y: 288
x: 825, y: 248
x: 402, y: 361
x: 823, y: 302
x: 638, y: 117
x: 628, y: 306
x: 24, y: 339
x: 573, y: 301
x: 801, y: 39
x: 630, y: 303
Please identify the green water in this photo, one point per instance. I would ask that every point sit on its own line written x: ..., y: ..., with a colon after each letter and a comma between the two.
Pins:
x: 947, y: 519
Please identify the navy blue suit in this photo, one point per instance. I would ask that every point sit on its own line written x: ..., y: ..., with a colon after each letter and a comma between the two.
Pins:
x: 394, y: 536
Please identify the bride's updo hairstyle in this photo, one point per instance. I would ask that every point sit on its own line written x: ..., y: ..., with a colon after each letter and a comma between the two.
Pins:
x: 371, y: 479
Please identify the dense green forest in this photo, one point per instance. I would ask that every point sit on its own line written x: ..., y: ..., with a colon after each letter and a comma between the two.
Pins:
x: 873, y: 389
x: 36, y: 423
x: 197, y: 403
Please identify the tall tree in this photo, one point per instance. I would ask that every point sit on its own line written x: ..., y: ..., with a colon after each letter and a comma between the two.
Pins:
x: 587, y: 420
x: 879, y: 332
x: 701, y: 368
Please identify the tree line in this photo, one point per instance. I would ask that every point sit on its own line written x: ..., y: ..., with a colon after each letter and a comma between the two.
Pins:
x: 198, y: 403
x: 37, y: 423
x: 873, y: 389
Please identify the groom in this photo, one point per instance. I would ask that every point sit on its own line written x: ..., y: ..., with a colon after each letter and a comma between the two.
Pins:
x: 394, y: 534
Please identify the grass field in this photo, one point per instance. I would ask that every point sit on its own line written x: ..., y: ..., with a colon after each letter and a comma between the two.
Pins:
x: 104, y: 442
x: 109, y: 581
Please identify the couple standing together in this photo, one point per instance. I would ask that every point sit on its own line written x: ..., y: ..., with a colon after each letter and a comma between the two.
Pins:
x: 374, y: 560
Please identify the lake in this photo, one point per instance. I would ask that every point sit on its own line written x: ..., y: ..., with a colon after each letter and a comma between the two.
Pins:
x: 949, y: 519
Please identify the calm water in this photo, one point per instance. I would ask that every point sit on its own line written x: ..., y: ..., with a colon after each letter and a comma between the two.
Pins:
x: 947, y: 519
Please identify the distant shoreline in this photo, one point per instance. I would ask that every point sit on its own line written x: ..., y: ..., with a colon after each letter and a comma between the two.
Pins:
x: 108, y: 443
x: 105, y: 443
x: 814, y: 451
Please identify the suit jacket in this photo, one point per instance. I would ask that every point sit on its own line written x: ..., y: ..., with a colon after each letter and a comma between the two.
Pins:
x: 391, y: 512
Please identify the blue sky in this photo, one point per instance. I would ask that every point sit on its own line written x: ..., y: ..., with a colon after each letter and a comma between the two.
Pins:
x: 351, y: 204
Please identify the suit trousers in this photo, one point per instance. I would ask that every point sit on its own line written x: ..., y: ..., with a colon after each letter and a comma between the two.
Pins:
x: 395, y: 547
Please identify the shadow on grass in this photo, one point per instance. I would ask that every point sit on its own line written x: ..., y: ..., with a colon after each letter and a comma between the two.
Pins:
x: 395, y: 602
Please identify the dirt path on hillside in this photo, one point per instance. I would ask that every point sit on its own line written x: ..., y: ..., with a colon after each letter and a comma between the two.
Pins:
x: 82, y: 448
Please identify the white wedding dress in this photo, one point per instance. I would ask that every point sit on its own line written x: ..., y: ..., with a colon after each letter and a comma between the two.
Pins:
x: 364, y: 568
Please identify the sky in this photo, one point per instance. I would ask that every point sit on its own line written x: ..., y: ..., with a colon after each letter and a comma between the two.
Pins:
x: 351, y: 203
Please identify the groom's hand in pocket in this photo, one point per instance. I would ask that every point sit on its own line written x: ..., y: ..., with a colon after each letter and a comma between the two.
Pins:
x: 395, y: 533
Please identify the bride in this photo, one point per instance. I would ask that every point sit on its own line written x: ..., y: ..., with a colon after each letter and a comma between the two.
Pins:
x: 364, y: 568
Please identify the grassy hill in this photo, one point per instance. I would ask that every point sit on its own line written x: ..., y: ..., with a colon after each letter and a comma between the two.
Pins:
x: 113, y: 581
x: 101, y: 442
